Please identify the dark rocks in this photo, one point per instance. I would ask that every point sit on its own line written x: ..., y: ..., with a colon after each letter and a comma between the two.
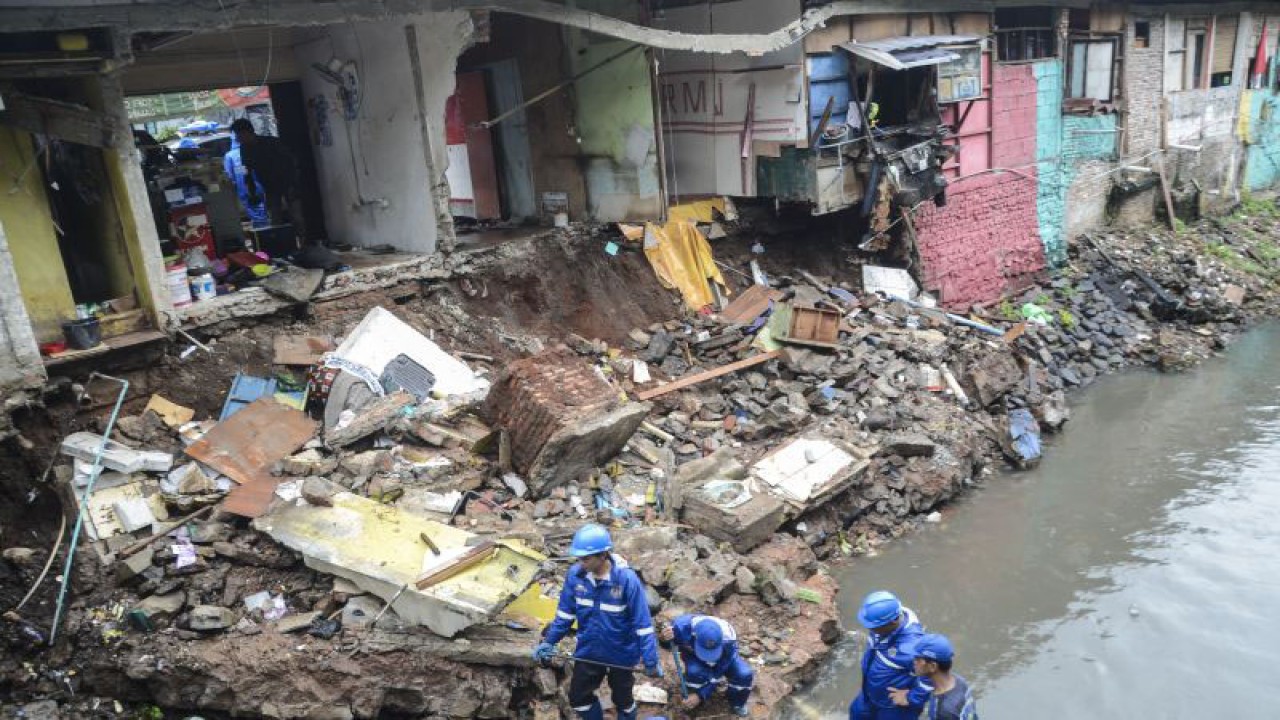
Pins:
x: 909, y: 445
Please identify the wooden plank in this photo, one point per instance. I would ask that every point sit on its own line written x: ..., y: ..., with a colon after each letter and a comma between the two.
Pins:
x: 300, y: 349
x: 469, y: 559
x: 749, y: 305
x: 688, y: 380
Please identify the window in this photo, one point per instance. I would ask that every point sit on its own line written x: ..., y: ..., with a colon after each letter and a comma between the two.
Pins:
x: 1195, y: 46
x: 1224, y: 50
x: 1142, y: 34
x: 1025, y: 33
x: 1092, y: 70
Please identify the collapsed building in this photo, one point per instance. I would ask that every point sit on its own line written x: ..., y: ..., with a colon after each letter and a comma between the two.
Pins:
x: 948, y: 153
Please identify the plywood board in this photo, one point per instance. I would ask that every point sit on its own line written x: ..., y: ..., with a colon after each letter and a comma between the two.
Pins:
x: 749, y: 305
x: 300, y: 349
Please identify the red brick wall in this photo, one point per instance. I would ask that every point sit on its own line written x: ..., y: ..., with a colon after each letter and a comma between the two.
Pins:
x: 536, y: 397
x: 985, y: 242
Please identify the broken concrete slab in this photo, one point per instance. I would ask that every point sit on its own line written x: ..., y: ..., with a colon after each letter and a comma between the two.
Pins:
x: 118, y: 457
x: 133, y: 566
x: 295, y: 285
x: 297, y: 622
x: 160, y: 609
x: 808, y: 471
x: 718, y: 501
x: 563, y: 419
x: 378, y: 548
x: 908, y: 444
x: 373, y: 417
x: 210, y: 618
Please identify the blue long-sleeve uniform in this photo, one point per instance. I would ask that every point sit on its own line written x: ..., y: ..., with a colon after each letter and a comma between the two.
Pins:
x: 887, y: 664
x: 701, y: 677
x: 614, y: 625
x: 233, y: 166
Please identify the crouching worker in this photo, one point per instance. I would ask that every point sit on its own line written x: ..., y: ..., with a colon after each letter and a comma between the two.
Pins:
x: 708, y: 646
x: 615, y: 630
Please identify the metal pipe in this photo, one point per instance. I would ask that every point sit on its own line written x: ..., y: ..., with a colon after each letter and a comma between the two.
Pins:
x: 94, y: 472
x: 570, y: 658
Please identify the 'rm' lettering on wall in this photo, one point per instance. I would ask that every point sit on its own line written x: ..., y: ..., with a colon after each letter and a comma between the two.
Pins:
x: 689, y: 97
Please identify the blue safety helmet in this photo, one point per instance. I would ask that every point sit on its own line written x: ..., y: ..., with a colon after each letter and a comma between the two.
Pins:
x: 708, y: 641
x: 590, y: 540
x: 935, y: 647
x: 879, y: 609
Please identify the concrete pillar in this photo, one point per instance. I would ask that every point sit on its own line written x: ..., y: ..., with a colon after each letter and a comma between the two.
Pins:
x: 134, y: 208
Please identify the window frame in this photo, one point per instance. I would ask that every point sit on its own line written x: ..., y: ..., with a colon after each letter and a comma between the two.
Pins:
x: 1086, y: 40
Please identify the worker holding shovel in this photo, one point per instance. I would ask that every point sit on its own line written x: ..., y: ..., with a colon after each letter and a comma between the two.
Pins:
x: 615, y: 631
x: 709, y: 648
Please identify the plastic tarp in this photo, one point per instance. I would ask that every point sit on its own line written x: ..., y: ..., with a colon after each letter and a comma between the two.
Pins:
x: 699, y: 211
x: 681, y: 258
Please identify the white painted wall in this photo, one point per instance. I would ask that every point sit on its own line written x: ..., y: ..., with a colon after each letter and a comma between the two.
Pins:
x: 374, y: 178
x: 704, y: 97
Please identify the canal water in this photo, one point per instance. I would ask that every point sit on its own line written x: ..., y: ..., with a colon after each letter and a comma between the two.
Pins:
x: 1134, y: 574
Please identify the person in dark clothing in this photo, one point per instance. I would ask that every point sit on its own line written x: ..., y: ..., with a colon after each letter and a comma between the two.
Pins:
x: 952, y: 698
x: 269, y: 160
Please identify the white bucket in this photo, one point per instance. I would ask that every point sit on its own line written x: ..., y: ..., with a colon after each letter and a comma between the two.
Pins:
x: 179, y: 290
x: 203, y: 287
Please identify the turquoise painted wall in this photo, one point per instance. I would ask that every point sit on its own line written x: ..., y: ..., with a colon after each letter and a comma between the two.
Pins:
x: 1262, y: 134
x: 1051, y: 190
x: 1062, y: 143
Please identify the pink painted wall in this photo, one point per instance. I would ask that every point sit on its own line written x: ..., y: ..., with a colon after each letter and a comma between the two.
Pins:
x: 975, y: 135
x: 986, y: 241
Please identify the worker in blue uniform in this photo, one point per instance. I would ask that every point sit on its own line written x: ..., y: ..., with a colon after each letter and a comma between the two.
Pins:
x: 240, y: 176
x: 709, y: 648
x: 952, y: 698
x: 893, y: 635
x: 607, y: 600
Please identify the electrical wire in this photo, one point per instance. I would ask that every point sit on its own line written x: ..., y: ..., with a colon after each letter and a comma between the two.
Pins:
x: 53, y: 554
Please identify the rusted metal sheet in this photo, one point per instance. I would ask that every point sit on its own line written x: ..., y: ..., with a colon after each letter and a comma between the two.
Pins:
x: 245, y: 446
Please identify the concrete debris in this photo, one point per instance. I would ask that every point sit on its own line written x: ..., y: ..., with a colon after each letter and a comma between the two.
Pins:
x: 118, y: 457
x: 756, y: 462
x: 210, y: 618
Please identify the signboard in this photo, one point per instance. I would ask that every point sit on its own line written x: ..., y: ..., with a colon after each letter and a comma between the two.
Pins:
x: 961, y: 79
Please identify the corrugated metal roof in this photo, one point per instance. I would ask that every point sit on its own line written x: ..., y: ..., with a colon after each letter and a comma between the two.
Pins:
x: 900, y: 53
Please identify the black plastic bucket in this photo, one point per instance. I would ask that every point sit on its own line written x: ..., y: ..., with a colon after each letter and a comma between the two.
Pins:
x: 82, y: 334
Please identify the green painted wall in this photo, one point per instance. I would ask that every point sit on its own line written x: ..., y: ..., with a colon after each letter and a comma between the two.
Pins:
x: 613, y: 110
x: 33, y: 242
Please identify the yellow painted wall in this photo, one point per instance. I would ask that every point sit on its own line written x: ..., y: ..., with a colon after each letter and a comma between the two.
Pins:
x: 32, y: 240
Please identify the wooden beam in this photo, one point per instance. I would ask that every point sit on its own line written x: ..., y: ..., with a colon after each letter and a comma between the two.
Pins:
x: 696, y: 378
x: 64, y: 121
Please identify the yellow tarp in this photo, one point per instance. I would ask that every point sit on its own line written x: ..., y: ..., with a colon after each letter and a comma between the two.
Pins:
x: 699, y: 211
x: 681, y: 258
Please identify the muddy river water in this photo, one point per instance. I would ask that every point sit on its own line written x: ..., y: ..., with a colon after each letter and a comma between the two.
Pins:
x: 1135, y: 574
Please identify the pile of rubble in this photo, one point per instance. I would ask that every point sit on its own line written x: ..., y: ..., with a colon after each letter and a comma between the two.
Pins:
x: 379, y: 505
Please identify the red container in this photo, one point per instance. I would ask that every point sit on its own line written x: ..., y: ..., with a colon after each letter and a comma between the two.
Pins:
x: 189, y: 226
